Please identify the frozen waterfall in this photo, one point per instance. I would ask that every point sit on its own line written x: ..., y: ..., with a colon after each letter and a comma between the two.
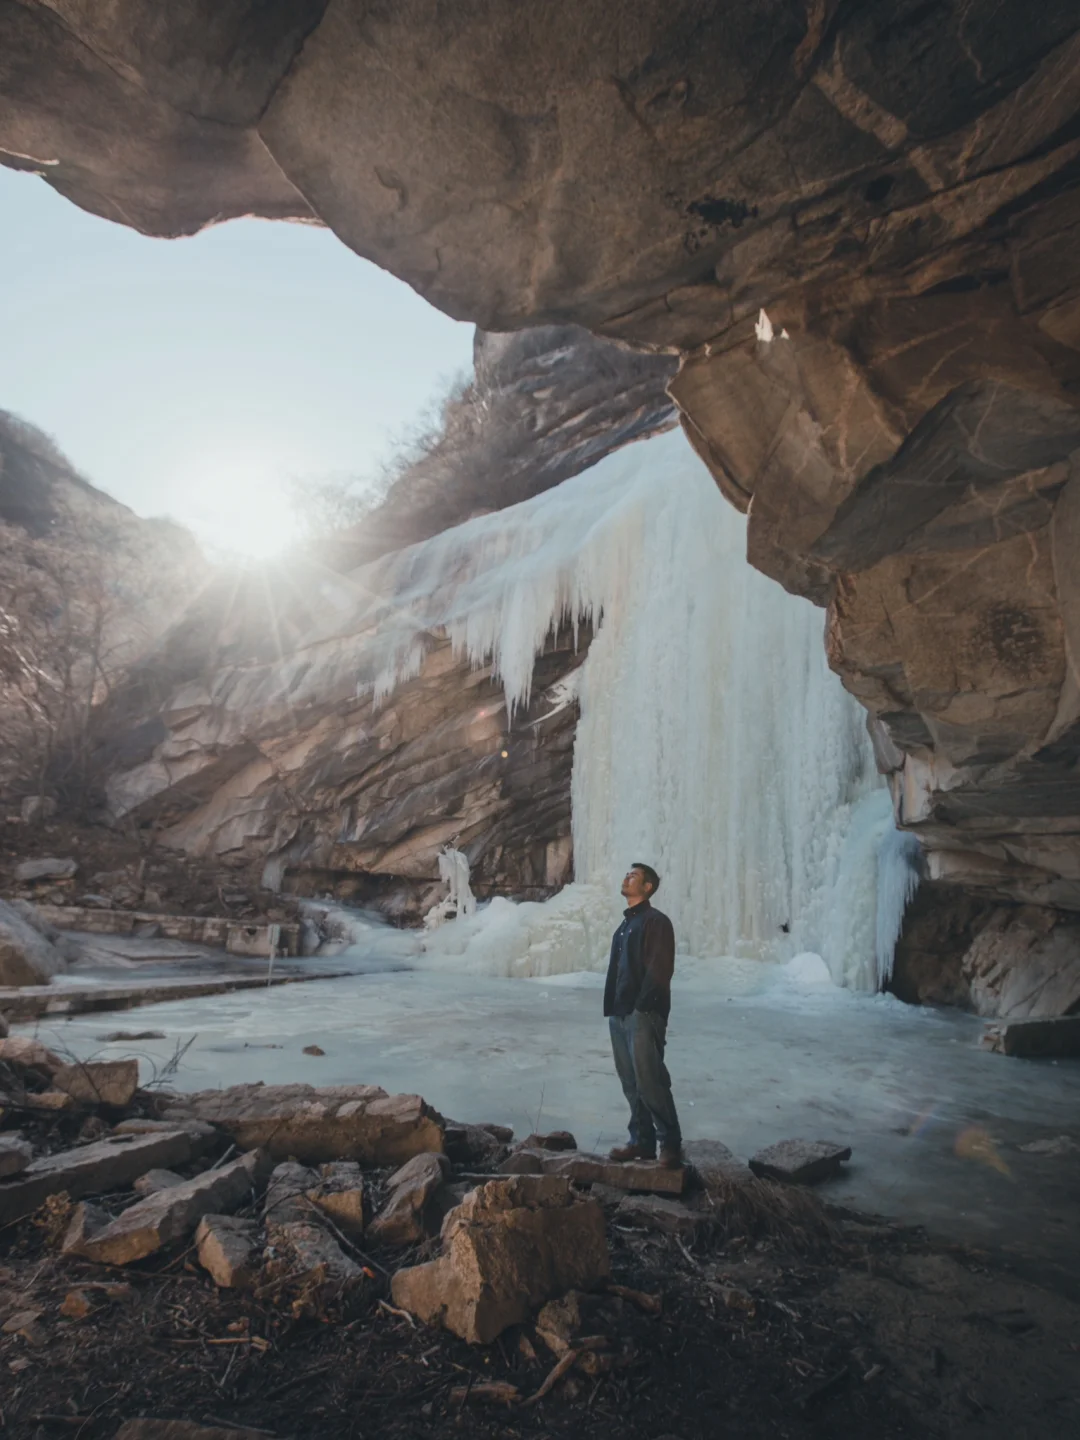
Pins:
x: 714, y: 743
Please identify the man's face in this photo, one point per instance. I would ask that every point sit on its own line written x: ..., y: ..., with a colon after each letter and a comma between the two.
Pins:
x: 635, y: 887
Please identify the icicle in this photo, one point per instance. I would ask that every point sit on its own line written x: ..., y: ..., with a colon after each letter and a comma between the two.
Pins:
x: 459, y: 899
x: 897, y: 881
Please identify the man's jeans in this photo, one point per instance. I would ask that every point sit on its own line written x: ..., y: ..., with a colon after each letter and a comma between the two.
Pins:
x: 637, y: 1042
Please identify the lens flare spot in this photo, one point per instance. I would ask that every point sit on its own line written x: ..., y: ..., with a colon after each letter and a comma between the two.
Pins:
x: 975, y: 1144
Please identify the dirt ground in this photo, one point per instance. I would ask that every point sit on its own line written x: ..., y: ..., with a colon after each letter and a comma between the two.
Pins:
x: 849, y: 1328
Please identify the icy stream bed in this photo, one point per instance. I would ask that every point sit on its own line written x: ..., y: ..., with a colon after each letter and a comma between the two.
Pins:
x: 757, y: 1052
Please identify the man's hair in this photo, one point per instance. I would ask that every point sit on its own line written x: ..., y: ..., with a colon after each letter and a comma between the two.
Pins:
x: 651, y: 877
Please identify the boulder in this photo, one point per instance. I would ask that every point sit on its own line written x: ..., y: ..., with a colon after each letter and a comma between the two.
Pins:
x: 100, y: 1082
x: 167, y: 1216
x: 47, y: 868
x: 15, y: 1155
x: 342, y: 1122
x: 228, y: 1248
x: 339, y: 1194
x: 155, y: 1180
x: 585, y: 1169
x: 111, y: 1164
x: 511, y: 1245
x: 26, y: 956
x: 25, y: 1053
x: 800, y: 1162
x: 409, y: 1215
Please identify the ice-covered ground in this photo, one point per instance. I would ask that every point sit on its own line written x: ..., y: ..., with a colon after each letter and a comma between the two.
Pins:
x: 758, y: 1052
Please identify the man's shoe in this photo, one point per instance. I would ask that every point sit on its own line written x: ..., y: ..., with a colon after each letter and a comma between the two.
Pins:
x: 671, y: 1158
x: 622, y: 1153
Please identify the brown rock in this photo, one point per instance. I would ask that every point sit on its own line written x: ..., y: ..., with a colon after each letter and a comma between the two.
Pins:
x: 155, y: 1180
x: 15, y: 1155
x: 49, y: 1100
x: 340, y: 1195
x: 111, y: 1164
x: 408, y: 1215
x: 27, y: 1054
x: 511, y: 1245
x: 552, y: 1140
x: 585, y: 1169
x: 26, y: 956
x: 313, y: 1266
x: 344, y: 1122
x: 169, y: 1215
x: 47, y: 868
x: 76, y: 1305
x: 100, y: 1082
x: 800, y: 1162
x: 228, y: 1249
x: 287, y: 1191
x: 1036, y: 1038
x: 658, y: 1212
x: 559, y: 1321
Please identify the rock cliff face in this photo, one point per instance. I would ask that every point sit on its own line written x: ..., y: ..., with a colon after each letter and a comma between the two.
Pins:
x: 256, y: 729
x: 895, y: 181
x: 86, y: 589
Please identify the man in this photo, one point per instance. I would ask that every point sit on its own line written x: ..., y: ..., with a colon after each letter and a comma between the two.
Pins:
x: 637, y: 1002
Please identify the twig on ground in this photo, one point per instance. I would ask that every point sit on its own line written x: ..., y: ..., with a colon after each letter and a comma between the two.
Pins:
x: 393, y: 1310
x: 554, y: 1376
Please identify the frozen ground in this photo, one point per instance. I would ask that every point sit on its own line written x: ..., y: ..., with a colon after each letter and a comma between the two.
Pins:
x: 757, y: 1054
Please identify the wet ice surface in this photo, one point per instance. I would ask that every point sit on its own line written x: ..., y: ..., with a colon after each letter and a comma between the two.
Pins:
x: 757, y: 1055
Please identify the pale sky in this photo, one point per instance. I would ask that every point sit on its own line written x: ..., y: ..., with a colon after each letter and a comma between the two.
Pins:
x: 191, y: 378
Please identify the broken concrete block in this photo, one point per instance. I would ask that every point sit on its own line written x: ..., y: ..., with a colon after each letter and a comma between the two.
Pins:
x: 47, y: 868
x: 182, y: 1430
x: 26, y: 1054
x: 86, y: 1220
x: 474, y: 1145
x: 100, y: 1082
x: 15, y: 1155
x: 408, y: 1215
x: 585, y: 1169
x: 551, y: 1140
x: 228, y: 1248
x: 287, y: 1191
x: 337, y: 1122
x: 170, y: 1215
x: 800, y: 1162
x: 313, y: 1266
x: 155, y: 1180
x: 340, y: 1195
x: 138, y: 1126
x: 660, y: 1212
x: 511, y: 1245
x: 714, y: 1164
x: 111, y: 1164
x: 1036, y: 1039
x: 49, y: 1100
x: 26, y: 956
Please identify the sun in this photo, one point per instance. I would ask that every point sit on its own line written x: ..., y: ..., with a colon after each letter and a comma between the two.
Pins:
x: 240, y: 506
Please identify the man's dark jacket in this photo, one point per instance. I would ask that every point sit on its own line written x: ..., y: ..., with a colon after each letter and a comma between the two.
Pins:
x: 642, y: 963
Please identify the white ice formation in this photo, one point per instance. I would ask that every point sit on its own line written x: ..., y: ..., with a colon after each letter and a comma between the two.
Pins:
x: 714, y: 743
x: 459, y: 900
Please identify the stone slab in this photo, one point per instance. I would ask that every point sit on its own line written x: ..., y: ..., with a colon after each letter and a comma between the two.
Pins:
x: 316, y: 1125
x: 647, y: 1176
x: 100, y: 1082
x: 800, y: 1162
x: 660, y: 1212
x: 111, y: 1164
x: 32, y: 1002
x: 15, y: 1156
x: 228, y: 1249
x: 168, y: 1215
x: 1036, y: 1039
x: 238, y: 937
x: 408, y: 1215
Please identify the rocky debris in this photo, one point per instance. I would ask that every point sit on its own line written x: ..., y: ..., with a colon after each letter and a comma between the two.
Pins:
x: 287, y: 1191
x: 800, y: 1162
x: 15, y: 1155
x: 99, y: 1082
x: 409, y: 1216
x: 182, y: 1430
x: 111, y: 1164
x: 228, y: 1249
x: 25, y: 1053
x: 26, y: 956
x: 306, y: 1260
x: 585, y: 1169
x: 143, y: 1125
x: 476, y: 1145
x: 168, y: 1215
x: 47, y: 868
x: 343, y: 1122
x: 511, y: 1245
x: 713, y: 1164
x: 155, y: 1180
x: 1036, y: 1039
x: 658, y: 1212
x: 552, y: 1140
x: 339, y: 1194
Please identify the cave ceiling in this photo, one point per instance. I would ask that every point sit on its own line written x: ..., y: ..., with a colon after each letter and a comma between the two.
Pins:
x: 894, y: 181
